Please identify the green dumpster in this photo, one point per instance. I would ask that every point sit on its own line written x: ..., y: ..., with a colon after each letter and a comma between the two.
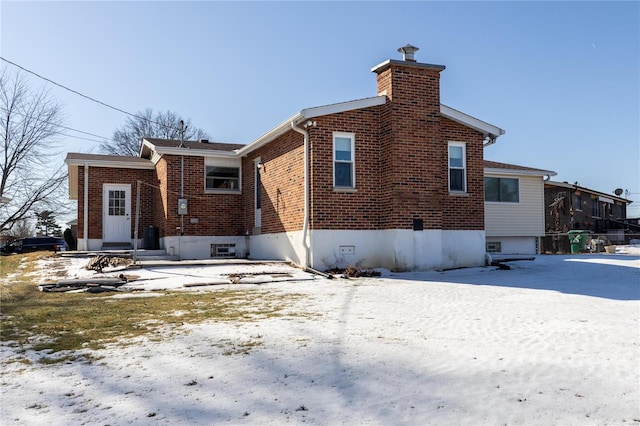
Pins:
x: 578, y: 241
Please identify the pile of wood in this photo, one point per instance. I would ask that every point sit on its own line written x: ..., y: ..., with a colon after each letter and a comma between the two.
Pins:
x: 98, y: 263
x: 89, y: 285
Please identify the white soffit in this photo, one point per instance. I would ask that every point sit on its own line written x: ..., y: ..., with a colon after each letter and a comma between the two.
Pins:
x: 309, y: 113
x: 158, y: 151
x: 474, y: 123
x: 517, y: 172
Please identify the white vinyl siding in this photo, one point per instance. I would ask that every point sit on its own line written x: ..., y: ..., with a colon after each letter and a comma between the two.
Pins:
x: 525, y: 218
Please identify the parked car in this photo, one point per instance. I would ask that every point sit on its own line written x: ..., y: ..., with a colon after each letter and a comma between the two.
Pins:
x: 30, y: 244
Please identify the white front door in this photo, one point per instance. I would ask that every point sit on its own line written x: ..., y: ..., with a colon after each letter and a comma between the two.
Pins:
x: 116, y: 213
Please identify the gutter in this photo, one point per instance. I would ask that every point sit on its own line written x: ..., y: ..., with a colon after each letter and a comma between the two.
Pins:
x: 306, y: 243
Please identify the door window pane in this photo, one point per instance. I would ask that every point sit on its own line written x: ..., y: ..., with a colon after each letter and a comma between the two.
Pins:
x: 117, y: 203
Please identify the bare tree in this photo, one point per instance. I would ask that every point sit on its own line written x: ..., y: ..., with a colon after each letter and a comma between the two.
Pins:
x: 29, y: 122
x: 126, y: 140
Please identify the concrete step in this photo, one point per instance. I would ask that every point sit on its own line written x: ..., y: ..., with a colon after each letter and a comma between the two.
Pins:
x: 145, y: 254
x: 116, y: 246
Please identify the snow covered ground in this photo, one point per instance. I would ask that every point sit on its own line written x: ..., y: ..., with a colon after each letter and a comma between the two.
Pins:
x: 553, y: 341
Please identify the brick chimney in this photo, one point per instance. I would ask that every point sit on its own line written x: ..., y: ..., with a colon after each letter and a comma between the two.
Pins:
x: 408, y: 76
x: 411, y: 140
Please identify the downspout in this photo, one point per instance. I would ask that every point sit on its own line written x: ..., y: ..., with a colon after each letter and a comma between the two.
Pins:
x: 306, y: 243
x: 85, y: 224
x: 489, y: 141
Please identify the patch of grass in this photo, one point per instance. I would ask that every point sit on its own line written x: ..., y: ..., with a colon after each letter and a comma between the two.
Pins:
x: 73, y: 321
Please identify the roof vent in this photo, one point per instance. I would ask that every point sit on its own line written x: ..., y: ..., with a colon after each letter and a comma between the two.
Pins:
x: 204, y: 140
x: 407, y: 52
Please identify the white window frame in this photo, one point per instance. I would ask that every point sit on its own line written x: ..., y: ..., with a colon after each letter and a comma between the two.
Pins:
x: 463, y: 145
x: 227, y: 163
x: 352, y: 137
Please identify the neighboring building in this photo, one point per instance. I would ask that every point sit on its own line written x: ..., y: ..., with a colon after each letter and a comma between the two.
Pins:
x: 395, y: 181
x: 573, y: 207
x: 514, y: 208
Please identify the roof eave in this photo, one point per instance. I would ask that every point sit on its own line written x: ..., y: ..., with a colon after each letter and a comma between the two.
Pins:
x: 515, y: 172
x: 306, y: 114
x: 277, y: 131
x: 108, y: 163
x: 485, y: 128
x: 582, y: 188
x: 148, y: 148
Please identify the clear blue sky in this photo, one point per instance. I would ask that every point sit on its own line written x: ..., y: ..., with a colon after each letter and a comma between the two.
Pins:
x: 562, y: 78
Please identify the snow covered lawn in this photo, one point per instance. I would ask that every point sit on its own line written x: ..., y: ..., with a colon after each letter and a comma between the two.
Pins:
x: 553, y: 341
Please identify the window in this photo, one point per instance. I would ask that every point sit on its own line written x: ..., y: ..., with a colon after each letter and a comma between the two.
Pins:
x: 494, y: 247
x: 223, y: 250
x: 117, y: 201
x: 505, y: 190
x: 577, y: 202
x: 222, y: 178
x: 457, y: 167
x: 595, y: 207
x: 343, y: 160
x: 617, y: 211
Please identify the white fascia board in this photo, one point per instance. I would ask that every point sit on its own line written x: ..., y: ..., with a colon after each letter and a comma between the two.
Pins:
x: 279, y: 130
x: 474, y: 123
x: 145, y: 148
x: 343, y: 106
x: 515, y: 172
x: 309, y: 113
x: 193, y: 152
x: 158, y: 151
x: 110, y: 163
x: 560, y: 184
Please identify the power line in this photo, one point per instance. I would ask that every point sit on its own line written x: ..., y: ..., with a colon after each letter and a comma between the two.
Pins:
x: 83, y: 95
x: 104, y: 138
x: 79, y: 137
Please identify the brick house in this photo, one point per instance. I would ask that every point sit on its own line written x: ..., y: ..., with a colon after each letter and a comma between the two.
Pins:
x: 574, y: 207
x: 395, y: 180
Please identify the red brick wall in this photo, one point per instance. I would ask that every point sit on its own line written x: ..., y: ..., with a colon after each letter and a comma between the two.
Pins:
x: 100, y: 175
x: 282, y: 184
x: 333, y: 209
x: 401, y: 164
x: 464, y: 212
x: 217, y: 214
x: 411, y: 147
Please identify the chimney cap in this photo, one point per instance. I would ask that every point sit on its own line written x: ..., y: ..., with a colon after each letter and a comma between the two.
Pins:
x: 407, y: 52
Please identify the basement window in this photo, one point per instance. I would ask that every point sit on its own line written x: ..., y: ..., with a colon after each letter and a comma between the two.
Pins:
x: 494, y: 247
x: 223, y: 250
